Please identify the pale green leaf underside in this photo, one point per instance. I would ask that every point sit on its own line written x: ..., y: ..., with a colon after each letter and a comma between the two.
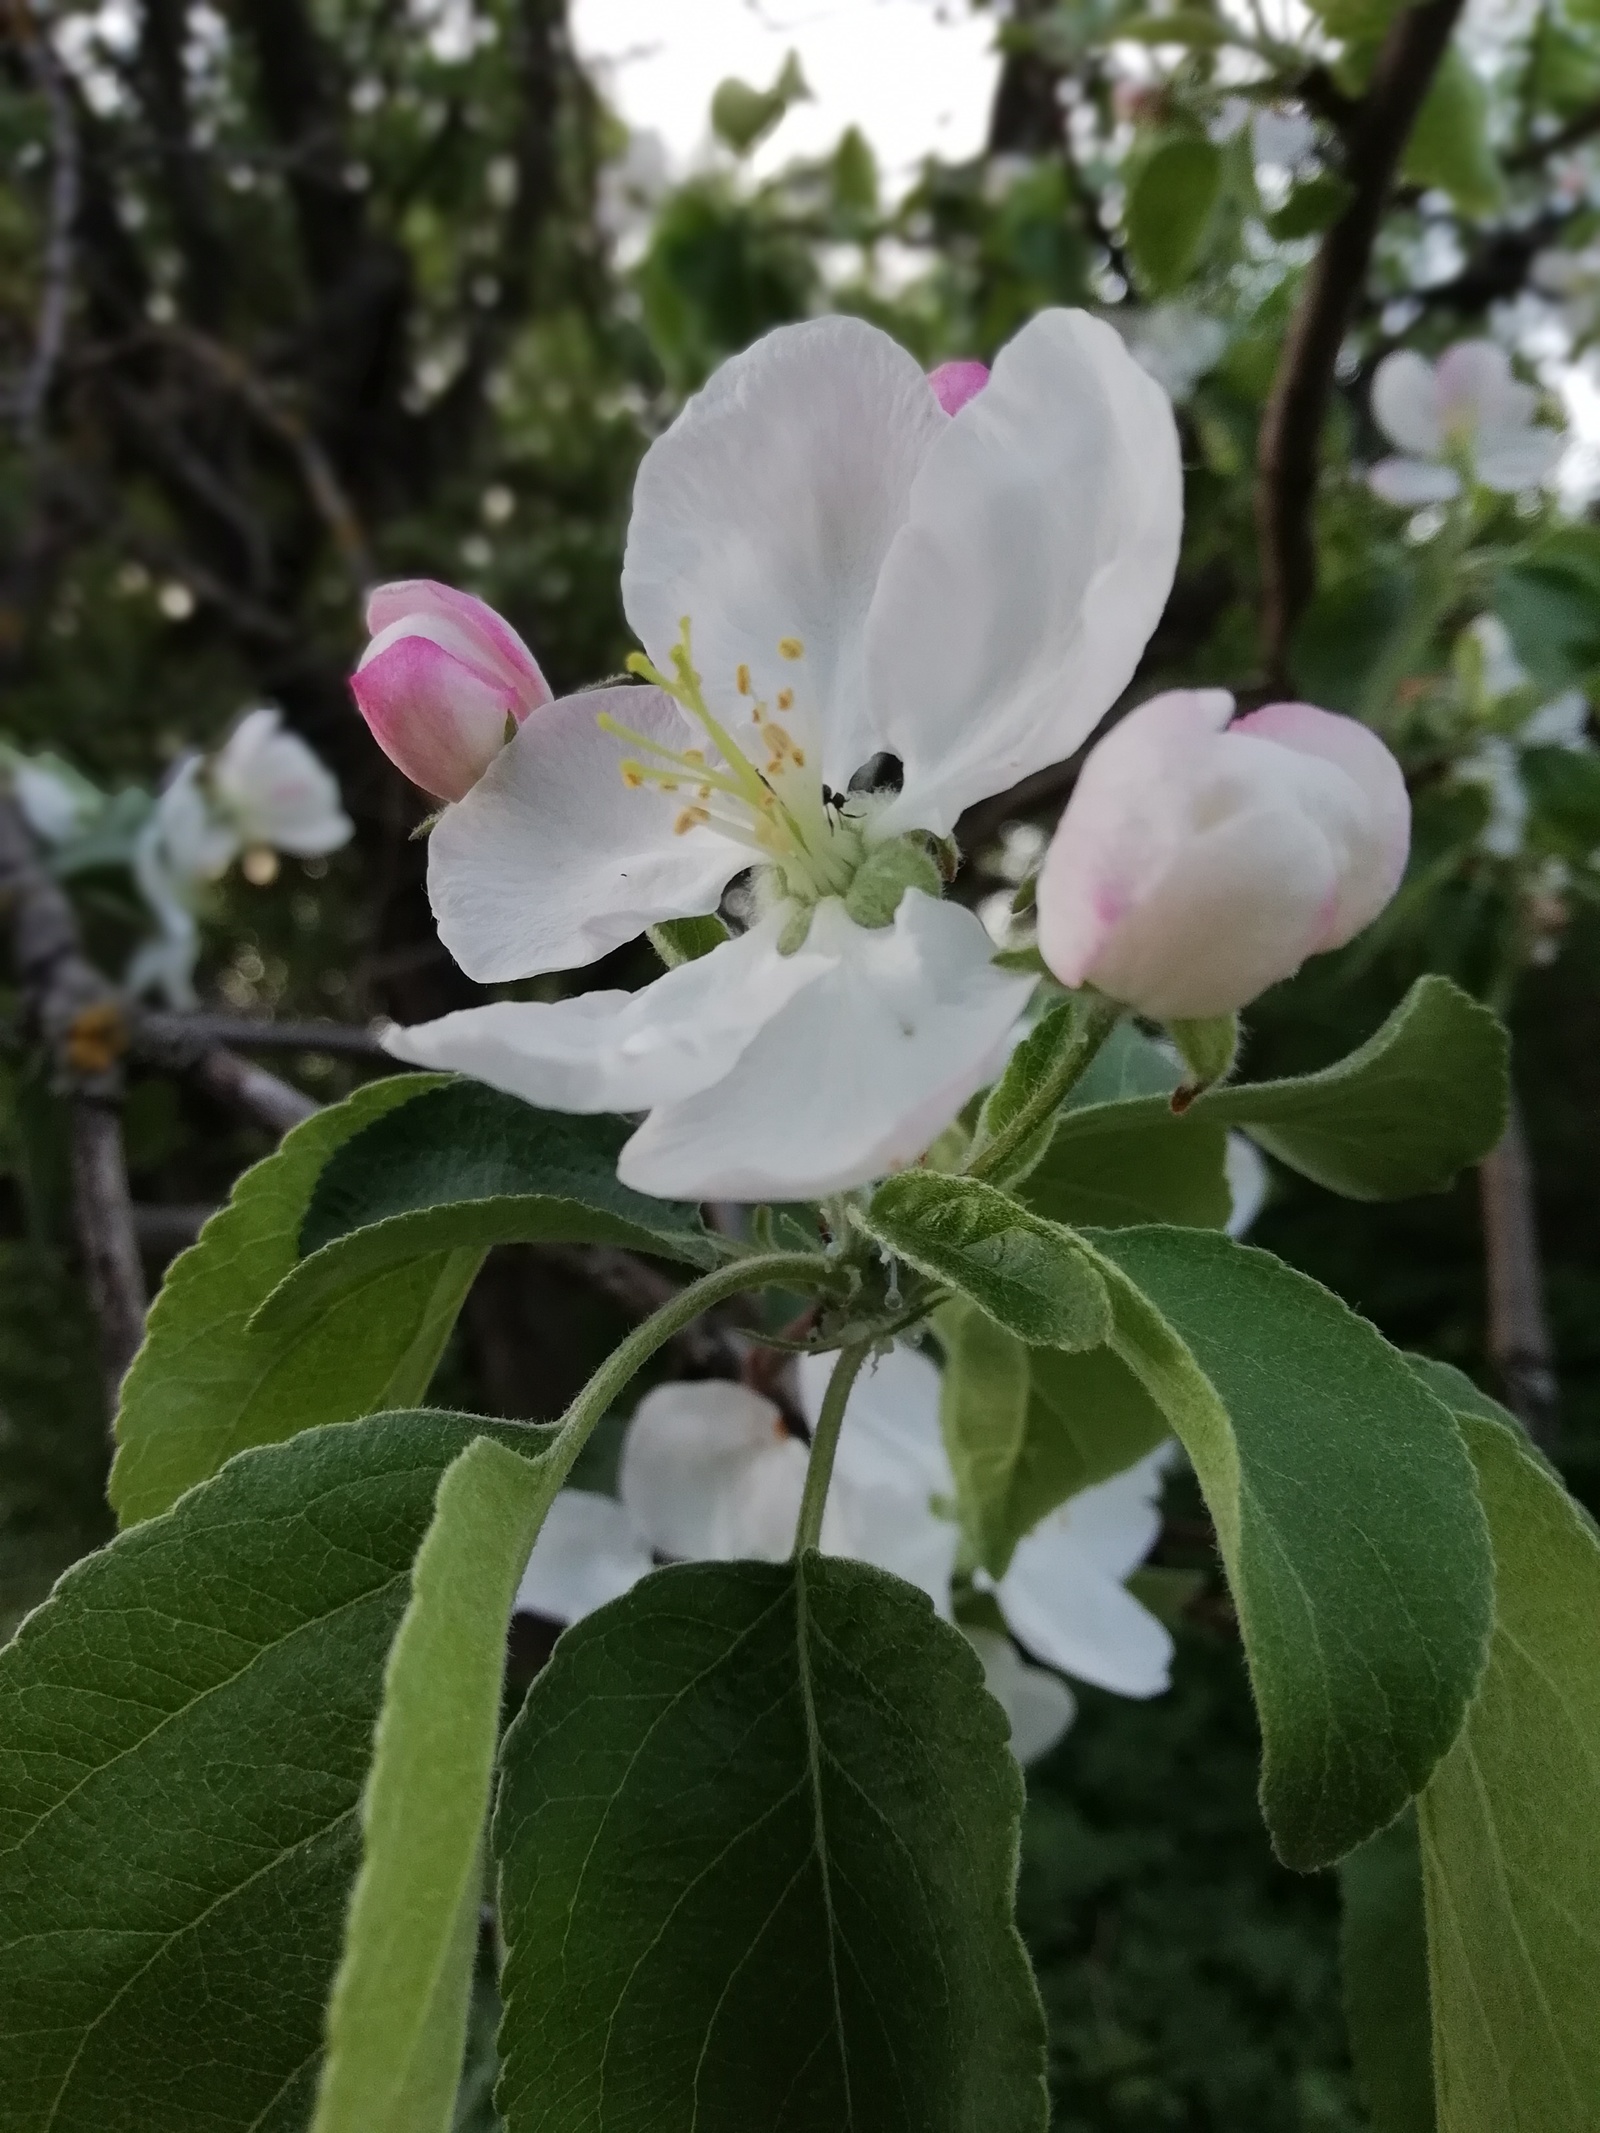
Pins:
x: 397, y: 2023
x: 1511, y: 1826
x: 185, y: 1729
x: 1026, y: 1273
x: 1346, y: 1514
x: 205, y: 1386
x: 1383, y: 1948
x: 756, y: 1836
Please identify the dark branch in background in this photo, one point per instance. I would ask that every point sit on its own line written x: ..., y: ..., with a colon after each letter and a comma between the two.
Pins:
x: 56, y: 264
x: 1520, y: 1347
x: 1028, y: 117
x: 1572, y: 135
x: 78, y: 1018
x: 1290, y: 444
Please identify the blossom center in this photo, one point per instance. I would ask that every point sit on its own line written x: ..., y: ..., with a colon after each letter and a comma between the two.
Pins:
x: 762, y: 790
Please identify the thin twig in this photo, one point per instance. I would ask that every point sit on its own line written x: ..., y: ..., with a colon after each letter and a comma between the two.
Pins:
x: 81, y: 1021
x: 50, y: 334
x: 1290, y: 445
x: 1520, y: 1347
x: 1583, y: 127
x: 244, y: 1033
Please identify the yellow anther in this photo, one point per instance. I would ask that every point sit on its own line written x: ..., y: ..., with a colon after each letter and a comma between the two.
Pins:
x: 786, y: 699
x: 632, y: 773
x: 799, y: 755
x: 779, y: 742
x: 791, y: 648
x: 694, y: 755
x: 691, y: 818
x: 742, y: 677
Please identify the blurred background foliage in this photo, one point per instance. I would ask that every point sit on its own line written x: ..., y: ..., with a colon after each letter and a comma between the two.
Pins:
x: 358, y: 289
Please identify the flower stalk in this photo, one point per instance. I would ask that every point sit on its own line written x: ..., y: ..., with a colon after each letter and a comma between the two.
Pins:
x: 825, y: 1444
x: 1098, y: 1019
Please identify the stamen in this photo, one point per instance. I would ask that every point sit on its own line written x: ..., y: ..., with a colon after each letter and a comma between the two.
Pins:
x: 742, y: 679
x: 691, y: 818
x: 786, y: 699
x: 791, y: 648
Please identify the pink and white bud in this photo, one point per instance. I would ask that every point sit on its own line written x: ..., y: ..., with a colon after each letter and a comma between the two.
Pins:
x: 1199, y: 862
x: 439, y: 682
x: 954, y: 384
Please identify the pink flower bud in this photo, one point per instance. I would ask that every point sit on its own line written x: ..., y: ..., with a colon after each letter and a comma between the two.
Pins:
x: 954, y: 384
x: 1199, y: 862
x: 439, y: 681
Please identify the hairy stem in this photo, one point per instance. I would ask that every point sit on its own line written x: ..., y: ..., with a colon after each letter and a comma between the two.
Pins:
x: 1089, y: 1033
x: 825, y: 1442
x: 796, y: 1270
x: 1519, y: 1333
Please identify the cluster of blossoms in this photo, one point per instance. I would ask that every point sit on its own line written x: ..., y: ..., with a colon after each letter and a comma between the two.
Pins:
x: 867, y: 598
x: 262, y: 793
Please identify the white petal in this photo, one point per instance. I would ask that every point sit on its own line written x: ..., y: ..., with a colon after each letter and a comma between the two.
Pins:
x: 1114, y: 1525
x: 1509, y: 460
x: 587, y: 1553
x: 1248, y: 1182
x: 894, y: 1529
x: 1039, y: 1704
x: 1405, y: 403
x: 620, y: 1051
x: 1041, y: 544
x: 1561, y: 723
x: 856, y: 1078
x: 891, y: 1435
x: 765, y: 512
x: 277, y: 791
x: 550, y: 861
x: 709, y: 1473
x: 1410, y: 483
x: 1072, y: 1614
x: 1478, y: 391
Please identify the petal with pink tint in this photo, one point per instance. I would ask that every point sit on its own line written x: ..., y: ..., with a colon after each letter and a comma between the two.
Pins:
x: 439, y: 720
x: 954, y: 384
x: 497, y: 644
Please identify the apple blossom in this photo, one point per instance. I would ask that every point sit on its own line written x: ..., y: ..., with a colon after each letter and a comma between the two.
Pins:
x: 263, y: 790
x: 861, y: 614
x: 709, y: 1471
x: 1465, y: 412
x: 1198, y: 861
x: 442, y: 683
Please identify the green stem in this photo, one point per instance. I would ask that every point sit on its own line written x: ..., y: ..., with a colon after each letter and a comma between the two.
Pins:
x: 825, y: 1442
x: 1099, y: 1019
x: 798, y: 1270
x: 1442, y: 586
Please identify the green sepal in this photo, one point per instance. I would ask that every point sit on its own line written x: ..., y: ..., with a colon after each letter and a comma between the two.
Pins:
x: 1208, y: 1049
x: 885, y: 874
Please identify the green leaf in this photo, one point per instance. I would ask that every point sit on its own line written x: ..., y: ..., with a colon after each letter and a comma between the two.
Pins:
x: 397, y: 2023
x: 206, y: 1383
x: 1314, y: 204
x: 185, y: 1728
x: 1550, y: 603
x: 1345, y: 631
x: 462, y: 1168
x: 757, y: 1835
x: 1025, y: 1429
x: 1449, y: 146
x: 1171, y: 202
x: 1185, y: 25
x: 1564, y: 787
x: 1383, y: 1948
x: 1345, y: 1511
x: 1136, y: 1161
x: 1028, y: 1274
x: 1510, y: 1825
x: 1423, y: 1097
x: 685, y: 940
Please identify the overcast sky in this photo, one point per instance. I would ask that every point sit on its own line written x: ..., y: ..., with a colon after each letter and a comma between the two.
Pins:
x: 914, y: 75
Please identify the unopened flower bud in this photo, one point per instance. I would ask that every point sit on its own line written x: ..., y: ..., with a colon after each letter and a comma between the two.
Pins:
x: 1199, y: 862
x: 441, y: 682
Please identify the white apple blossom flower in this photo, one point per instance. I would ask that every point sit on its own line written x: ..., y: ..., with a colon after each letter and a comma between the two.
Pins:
x: 1464, y: 414
x: 263, y: 790
x: 710, y: 1472
x: 828, y: 572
